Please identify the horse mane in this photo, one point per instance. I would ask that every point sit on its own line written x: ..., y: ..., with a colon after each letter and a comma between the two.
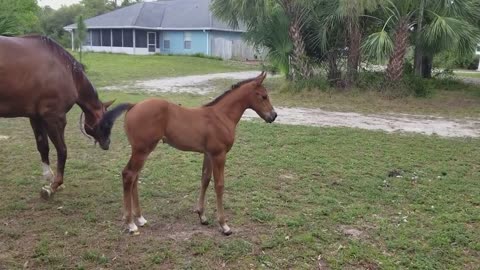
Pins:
x: 229, y: 91
x: 60, y: 52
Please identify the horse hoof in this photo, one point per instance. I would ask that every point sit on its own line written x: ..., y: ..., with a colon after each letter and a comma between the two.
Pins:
x: 141, y: 221
x: 203, y: 220
x: 132, y: 229
x: 226, y: 230
x: 46, y: 192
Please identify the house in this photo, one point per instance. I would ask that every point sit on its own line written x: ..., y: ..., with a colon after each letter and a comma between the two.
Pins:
x: 166, y: 27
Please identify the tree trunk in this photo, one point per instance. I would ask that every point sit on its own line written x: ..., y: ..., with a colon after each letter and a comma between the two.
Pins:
x: 397, y: 59
x: 334, y: 74
x: 300, y: 66
x: 427, y: 66
x: 353, y: 61
x: 419, y: 51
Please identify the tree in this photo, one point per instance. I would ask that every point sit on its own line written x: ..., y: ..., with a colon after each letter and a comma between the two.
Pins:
x: 251, y: 13
x: 52, y: 22
x: 80, y: 35
x: 7, y: 26
x: 447, y: 26
x: 22, y: 14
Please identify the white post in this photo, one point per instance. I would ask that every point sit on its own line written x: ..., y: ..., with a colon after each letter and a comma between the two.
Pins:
x: 134, y: 45
x: 111, y: 40
x: 208, y: 44
x: 73, y: 40
x: 478, y: 66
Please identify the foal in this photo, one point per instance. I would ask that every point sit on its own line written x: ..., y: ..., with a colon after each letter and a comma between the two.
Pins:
x: 209, y: 129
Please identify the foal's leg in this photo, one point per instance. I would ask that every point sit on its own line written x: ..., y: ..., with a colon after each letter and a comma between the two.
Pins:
x: 137, y: 211
x: 130, y: 177
x: 218, y: 175
x: 206, y: 177
x: 55, y: 130
x: 41, y: 137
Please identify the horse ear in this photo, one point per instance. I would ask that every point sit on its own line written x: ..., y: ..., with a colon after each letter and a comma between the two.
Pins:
x: 108, y: 103
x: 261, y: 77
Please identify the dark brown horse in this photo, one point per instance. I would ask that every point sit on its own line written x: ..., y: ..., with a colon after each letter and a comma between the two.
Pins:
x: 209, y: 130
x: 42, y: 81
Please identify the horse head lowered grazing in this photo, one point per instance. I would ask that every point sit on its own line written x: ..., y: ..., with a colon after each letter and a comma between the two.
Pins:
x: 42, y: 81
x: 209, y: 130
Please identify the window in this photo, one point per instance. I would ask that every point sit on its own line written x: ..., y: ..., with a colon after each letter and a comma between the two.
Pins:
x: 140, y: 38
x: 106, y: 38
x: 117, y: 37
x: 127, y: 38
x: 187, y: 40
x: 166, y: 44
x: 96, y: 38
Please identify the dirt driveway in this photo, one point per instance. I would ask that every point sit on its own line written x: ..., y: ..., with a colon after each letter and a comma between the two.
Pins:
x: 428, y: 125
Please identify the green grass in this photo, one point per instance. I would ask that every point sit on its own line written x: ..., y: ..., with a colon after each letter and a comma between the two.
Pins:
x: 106, y: 69
x: 291, y: 192
x: 468, y: 74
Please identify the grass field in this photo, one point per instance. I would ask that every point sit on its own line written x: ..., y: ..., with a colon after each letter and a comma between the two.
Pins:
x: 468, y: 74
x: 113, y: 69
x: 296, y: 198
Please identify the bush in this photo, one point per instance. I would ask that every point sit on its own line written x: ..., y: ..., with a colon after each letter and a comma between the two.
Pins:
x: 314, y: 83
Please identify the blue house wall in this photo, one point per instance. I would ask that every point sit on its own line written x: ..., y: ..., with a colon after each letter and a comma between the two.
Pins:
x: 177, y: 46
x: 199, y: 41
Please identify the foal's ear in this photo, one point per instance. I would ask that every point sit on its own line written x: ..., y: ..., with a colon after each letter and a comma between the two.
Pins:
x: 108, y: 103
x: 261, y: 78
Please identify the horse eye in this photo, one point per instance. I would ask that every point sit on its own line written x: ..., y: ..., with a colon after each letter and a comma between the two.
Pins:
x: 265, y: 97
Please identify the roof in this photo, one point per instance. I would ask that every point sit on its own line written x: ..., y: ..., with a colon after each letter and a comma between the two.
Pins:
x: 161, y: 15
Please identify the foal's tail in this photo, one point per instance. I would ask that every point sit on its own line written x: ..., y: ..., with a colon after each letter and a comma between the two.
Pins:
x: 108, y: 119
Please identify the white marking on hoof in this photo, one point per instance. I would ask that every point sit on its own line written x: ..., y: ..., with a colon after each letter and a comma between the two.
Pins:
x: 203, y: 220
x: 132, y: 229
x: 226, y: 230
x: 47, y: 172
x: 46, y: 192
x: 141, y: 221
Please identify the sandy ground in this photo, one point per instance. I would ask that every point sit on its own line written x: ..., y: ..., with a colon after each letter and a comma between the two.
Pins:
x: 316, y: 117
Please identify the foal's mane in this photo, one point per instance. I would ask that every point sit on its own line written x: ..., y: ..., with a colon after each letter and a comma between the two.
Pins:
x: 229, y: 91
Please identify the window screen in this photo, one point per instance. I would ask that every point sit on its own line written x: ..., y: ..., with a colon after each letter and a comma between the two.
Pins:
x: 106, y: 39
x: 187, y: 40
x: 117, y: 37
x: 127, y: 38
x: 96, y: 38
x: 166, y: 44
x: 141, y: 38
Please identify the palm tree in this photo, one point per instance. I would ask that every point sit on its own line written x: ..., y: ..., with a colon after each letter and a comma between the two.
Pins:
x: 445, y: 25
x: 444, y: 29
x: 255, y: 14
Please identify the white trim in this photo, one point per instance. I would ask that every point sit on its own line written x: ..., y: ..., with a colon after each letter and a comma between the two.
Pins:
x: 73, y: 41
x: 162, y: 28
x: 126, y: 50
x: 134, y: 41
x: 208, y: 43
x: 111, y: 38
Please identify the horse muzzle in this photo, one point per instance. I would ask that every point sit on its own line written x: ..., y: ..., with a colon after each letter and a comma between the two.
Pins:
x: 271, y: 117
x: 105, y: 145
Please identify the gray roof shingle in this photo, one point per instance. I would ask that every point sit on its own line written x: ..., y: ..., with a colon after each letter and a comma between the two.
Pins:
x: 164, y: 14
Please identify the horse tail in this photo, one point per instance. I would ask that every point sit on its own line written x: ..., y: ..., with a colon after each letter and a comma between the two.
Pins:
x: 108, y: 119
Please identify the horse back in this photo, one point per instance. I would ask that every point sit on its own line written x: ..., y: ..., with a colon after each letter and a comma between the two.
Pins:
x: 33, y: 81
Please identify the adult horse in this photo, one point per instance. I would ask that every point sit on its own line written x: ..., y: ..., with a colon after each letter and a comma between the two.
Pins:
x: 209, y: 129
x: 42, y: 81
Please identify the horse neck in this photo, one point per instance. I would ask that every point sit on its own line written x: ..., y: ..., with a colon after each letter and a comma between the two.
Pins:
x: 88, y: 98
x: 234, y: 105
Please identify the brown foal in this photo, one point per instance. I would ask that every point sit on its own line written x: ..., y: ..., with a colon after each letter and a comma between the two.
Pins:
x: 209, y: 129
